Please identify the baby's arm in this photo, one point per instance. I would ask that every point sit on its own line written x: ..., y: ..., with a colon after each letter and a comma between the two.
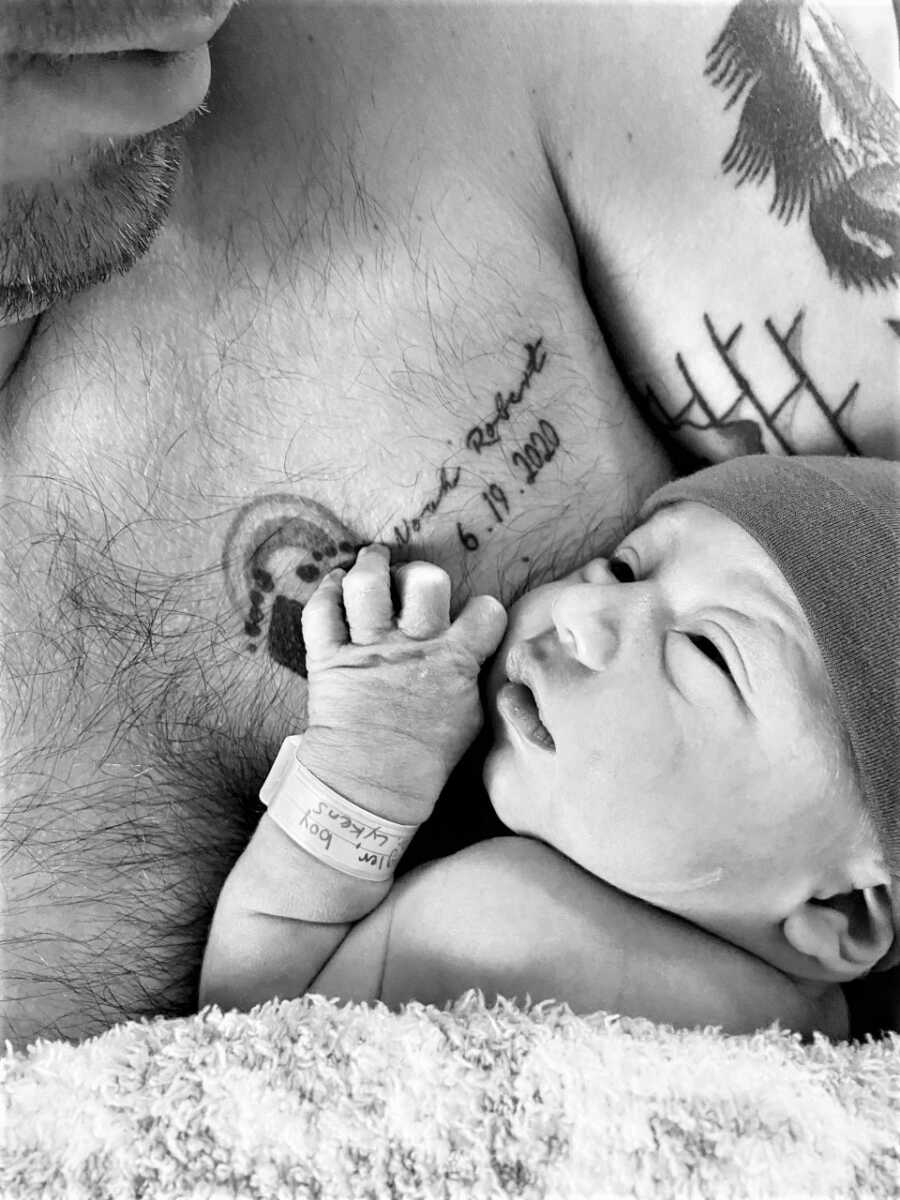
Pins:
x: 393, y: 702
x: 265, y: 940
x: 513, y: 917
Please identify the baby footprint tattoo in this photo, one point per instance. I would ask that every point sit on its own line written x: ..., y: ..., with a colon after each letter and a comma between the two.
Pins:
x: 278, y: 548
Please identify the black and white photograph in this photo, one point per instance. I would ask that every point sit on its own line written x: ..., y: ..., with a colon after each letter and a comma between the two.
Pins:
x: 450, y: 599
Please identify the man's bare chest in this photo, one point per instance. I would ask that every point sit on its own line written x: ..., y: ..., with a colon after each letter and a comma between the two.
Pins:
x: 314, y: 354
x: 221, y: 433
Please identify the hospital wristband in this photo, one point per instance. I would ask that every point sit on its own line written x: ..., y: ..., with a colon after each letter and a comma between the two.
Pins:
x: 326, y: 824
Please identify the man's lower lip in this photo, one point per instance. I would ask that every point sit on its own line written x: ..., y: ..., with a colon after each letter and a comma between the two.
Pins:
x: 121, y: 93
x: 516, y: 705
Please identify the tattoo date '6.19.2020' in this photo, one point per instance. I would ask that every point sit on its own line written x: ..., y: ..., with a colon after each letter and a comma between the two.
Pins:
x: 525, y: 461
x: 528, y: 459
x: 280, y: 545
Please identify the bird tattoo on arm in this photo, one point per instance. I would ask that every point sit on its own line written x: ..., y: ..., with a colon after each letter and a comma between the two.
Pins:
x: 814, y: 119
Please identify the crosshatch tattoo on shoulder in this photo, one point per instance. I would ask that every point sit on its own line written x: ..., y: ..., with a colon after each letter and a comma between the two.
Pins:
x: 756, y: 417
x: 280, y: 545
x: 812, y: 117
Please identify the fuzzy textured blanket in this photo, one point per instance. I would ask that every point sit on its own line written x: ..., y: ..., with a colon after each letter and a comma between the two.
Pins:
x: 309, y: 1099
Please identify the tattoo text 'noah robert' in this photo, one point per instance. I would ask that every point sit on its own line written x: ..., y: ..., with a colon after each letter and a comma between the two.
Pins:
x: 489, y: 431
x: 812, y: 116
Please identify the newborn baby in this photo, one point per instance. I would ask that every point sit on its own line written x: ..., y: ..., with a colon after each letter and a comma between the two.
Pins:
x: 696, y: 738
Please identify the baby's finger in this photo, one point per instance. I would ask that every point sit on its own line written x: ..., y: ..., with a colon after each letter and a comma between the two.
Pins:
x: 423, y: 591
x: 322, y: 620
x: 367, y: 596
x: 480, y: 626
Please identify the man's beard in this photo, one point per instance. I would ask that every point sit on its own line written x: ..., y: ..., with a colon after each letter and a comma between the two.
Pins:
x: 60, y: 236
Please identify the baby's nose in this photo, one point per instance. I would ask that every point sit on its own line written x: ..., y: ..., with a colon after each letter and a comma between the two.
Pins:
x: 588, y: 623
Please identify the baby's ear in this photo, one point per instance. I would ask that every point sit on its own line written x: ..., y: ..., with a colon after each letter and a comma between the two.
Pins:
x: 843, y: 935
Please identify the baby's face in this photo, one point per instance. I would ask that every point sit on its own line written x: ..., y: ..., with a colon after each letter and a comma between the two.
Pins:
x: 654, y: 718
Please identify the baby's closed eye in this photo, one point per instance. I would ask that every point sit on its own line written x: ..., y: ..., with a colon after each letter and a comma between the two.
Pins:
x: 711, y: 651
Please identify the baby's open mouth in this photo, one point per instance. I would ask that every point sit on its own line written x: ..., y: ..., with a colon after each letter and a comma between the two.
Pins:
x: 517, y: 704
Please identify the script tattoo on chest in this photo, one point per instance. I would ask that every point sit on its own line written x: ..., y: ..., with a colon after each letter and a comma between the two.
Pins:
x: 743, y: 422
x: 526, y: 454
x: 280, y: 545
x: 813, y: 118
x: 490, y: 431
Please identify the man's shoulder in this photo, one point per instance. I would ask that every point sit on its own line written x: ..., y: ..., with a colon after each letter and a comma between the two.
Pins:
x: 719, y: 174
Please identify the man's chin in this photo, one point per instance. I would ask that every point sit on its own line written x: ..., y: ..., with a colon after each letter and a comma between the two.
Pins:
x: 61, y: 236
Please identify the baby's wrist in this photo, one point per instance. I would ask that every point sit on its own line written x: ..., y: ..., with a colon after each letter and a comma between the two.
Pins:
x: 408, y: 797
x: 327, y: 824
x: 281, y: 878
x: 276, y: 877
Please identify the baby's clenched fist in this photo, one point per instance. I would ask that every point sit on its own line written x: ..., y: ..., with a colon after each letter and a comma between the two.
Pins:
x: 393, y: 687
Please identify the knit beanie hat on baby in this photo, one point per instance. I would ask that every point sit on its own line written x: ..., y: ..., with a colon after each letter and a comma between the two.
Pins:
x: 832, y: 526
